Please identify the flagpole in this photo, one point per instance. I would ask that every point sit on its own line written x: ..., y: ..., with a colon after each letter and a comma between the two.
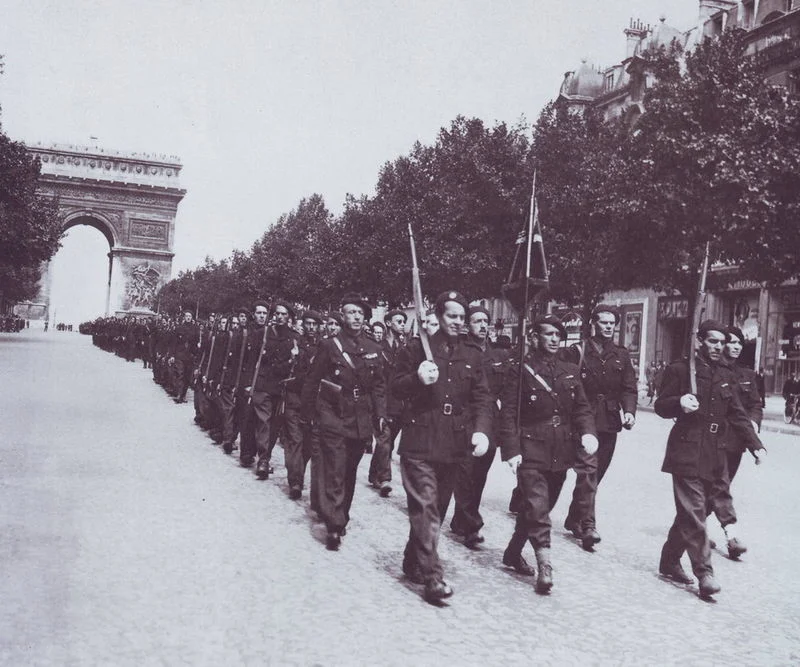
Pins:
x: 523, y: 317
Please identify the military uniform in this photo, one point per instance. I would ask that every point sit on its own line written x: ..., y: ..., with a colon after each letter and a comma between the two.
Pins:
x: 696, y: 453
x: 230, y: 382
x: 345, y: 396
x: 436, y: 427
x: 183, y: 349
x: 609, y: 381
x: 554, y: 414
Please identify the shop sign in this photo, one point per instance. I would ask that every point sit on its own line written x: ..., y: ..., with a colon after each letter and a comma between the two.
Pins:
x: 673, y: 308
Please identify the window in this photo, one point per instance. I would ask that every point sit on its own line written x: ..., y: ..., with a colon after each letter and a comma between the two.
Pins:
x: 609, y: 83
x: 748, y: 14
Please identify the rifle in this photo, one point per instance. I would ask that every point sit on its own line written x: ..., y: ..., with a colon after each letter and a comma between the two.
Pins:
x: 198, y: 380
x: 416, y: 291
x: 241, y: 361
x: 224, y: 373
x: 210, y: 357
x: 698, y: 312
x: 258, y: 364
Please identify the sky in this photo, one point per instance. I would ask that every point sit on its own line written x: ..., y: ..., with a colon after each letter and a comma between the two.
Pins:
x: 267, y: 102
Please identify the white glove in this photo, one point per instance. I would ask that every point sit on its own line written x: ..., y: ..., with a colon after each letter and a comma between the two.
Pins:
x: 428, y: 372
x: 761, y: 456
x: 480, y: 444
x: 629, y: 420
x: 689, y: 403
x: 514, y: 462
x: 589, y: 443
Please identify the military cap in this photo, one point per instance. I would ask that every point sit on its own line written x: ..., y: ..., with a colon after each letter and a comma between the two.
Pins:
x: 311, y: 315
x: 333, y: 315
x: 551, y: 320
x: 261, y: 302
x: 444, y: 297
x: 393, y: 312
x: 285, y: 304
x: 243, y: 309
x: 378, y: 323
x: 605, y: 308
x: 711, y: 325
x: 477, y: 309
x: 355, y: 299
x: 734, y: 331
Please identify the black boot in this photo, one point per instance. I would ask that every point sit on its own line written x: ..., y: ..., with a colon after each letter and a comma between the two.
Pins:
x: 545, y: 580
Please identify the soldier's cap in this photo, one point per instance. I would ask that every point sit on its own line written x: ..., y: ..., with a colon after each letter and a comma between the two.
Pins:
x: 734, y: 331
x: 711, y: 325
x: 280, y: 302
x: 393, y: 312
x: 243, y: 309
x: 477, y: 309
x: 311, y: 315
x: 552, y: 320
x: 355, y: 299
x: 430, y: 311
x: 452, y: 295
x: 263, y: 303
x: 333, y: 315
x: 378, y: 323
x: 605, y: 308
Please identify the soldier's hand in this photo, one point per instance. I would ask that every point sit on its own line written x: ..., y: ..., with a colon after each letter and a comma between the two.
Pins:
x: 295, y: 349
x: 514, y: 462
x: 480, y: 444
x: 428, y: 372
x: 761, y: 456
x: 689, y: 403
x: 589, y: 443
x: 629, y: 420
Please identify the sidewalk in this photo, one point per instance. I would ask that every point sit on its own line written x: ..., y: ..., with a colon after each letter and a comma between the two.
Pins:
x: 773, y: 415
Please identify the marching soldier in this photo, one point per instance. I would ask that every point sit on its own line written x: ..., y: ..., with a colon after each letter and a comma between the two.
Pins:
x: 554, y: 416
x: 467, y: 519
x: 266, y: 365
x: 446, y: 417
x: 610, y: 383
x: 183, y: 352
x: 747, y: 391
x: 297, y: 445
x: 230, y: 381
x: 344, y: 394
x: 212, y: 374
x: 380, y: 467
x: 696, y: 456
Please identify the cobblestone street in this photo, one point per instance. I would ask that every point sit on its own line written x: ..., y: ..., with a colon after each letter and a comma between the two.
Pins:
x: 128, y: 538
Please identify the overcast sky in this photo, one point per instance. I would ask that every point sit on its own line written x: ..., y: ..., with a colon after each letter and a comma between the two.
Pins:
x: 268, y: 102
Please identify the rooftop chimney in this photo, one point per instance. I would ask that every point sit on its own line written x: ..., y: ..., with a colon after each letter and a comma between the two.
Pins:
x: 634, y: 33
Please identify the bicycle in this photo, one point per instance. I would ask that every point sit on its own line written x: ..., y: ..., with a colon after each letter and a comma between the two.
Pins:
x: 792, y: 410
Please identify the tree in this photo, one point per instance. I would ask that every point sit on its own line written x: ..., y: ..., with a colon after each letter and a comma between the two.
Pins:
x: 30, y: 230
x: 716, y: 158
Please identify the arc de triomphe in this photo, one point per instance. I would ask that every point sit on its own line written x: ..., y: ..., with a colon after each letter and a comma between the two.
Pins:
x: 132, y: 198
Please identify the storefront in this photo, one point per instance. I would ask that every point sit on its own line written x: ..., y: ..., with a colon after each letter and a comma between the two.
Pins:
x: 671, y: 330
x: 782, y: 353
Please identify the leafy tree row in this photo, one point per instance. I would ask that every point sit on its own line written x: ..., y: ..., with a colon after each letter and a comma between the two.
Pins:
x: 715, y: 157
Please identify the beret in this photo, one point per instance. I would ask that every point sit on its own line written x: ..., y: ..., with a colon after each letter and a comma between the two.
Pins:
x: 444, y: 297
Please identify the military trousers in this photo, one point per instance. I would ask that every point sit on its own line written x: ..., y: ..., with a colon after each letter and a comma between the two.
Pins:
x: 380, y: 467
x: 468, y: 492
x: 182, y: 377
x: 589, y: 472
x: 258, y: 422
x: 296, y: 441
x: 229, y: 416
x: 317, y: 473
x: 720, y: 501
x: 539, y: 491
x: 429, y: 487
x: 340, y: 459
x: 688, y: 531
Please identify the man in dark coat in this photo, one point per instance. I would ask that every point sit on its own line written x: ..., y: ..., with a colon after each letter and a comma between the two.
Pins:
x: 553, y: 418
x: 345, y: 396
x: 267, y: 363
x: 380, y: 467
x: 747, y: 391
x: 184, y: 347
x: 447, y: 416
x: 467, y: 519
x: 610, y: 383
x: 696, y: 450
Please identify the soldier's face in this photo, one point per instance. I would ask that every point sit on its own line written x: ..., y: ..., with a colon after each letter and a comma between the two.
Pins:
x: 187, y: 317
x: 548, y: 338
x: 479, y: 326
x: 397, y: 324
x: 377, y: 333
x: 310, y: 326
x: 242, y: 319
x: 332, y: 327
x: 733, y: 348
x: 223, y: 323
x: 260, y: 315
x: 353, y: 317
x: 281, y: 316
x: 711, y: 346
x: 452, y: 319
x: 604, y: 325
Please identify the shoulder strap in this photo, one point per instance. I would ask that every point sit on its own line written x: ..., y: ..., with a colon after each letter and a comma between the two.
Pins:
x: 344, y: 354
x: 541, y: 381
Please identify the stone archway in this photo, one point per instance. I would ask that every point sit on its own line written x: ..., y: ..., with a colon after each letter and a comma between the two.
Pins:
x: 132, y: 199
